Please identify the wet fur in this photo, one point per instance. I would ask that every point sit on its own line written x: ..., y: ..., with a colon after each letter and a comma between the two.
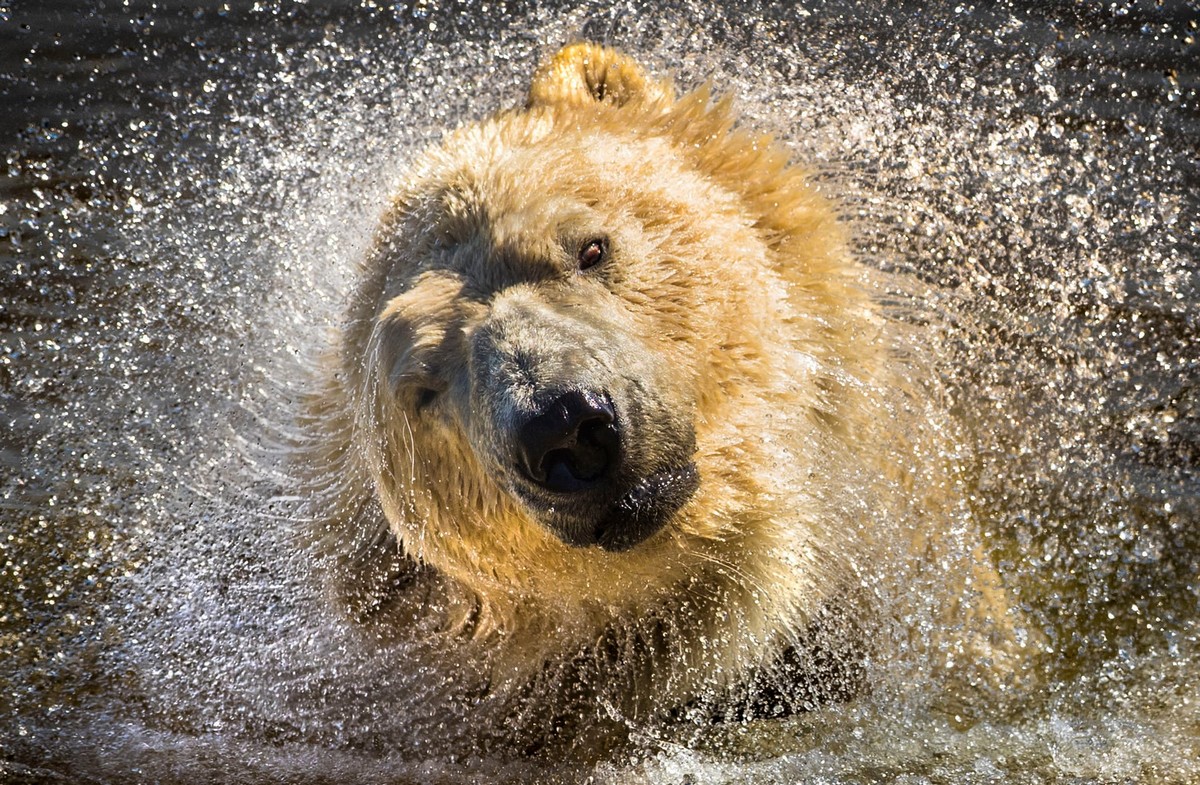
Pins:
x: 733, y: 309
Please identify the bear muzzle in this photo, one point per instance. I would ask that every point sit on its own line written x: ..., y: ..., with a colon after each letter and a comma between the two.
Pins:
x: 576, y: 479
x: 645, y: 508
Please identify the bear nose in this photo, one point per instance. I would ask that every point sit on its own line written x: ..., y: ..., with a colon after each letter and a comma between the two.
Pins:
x: 572, y: 444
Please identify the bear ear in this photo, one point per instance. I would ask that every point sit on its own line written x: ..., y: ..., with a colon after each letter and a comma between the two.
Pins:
x: 586, y: 73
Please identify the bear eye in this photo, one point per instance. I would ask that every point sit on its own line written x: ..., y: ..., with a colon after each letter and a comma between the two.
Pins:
x: 592, y: 253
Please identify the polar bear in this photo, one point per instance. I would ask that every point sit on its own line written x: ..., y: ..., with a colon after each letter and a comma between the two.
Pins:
x: 614, y: 418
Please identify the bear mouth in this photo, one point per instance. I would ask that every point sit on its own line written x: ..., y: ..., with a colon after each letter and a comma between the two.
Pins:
x: 645, y: 508
x: 618, y: 524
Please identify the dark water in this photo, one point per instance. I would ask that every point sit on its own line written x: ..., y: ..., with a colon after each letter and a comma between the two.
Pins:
x: 187, y: 186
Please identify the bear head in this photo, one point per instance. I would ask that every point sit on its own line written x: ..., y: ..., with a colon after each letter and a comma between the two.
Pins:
x: 600, y: 350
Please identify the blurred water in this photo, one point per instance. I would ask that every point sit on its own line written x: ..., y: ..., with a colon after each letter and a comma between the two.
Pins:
x: 187, y: 186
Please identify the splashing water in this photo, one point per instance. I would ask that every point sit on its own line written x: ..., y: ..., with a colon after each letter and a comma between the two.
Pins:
x: 188, y: 191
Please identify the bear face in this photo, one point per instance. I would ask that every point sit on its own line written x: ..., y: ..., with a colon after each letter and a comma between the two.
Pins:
x: 552, y: 364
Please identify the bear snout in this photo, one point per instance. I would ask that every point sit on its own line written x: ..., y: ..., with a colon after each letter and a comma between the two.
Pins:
x: 579, y: 481
x: 572, y: 444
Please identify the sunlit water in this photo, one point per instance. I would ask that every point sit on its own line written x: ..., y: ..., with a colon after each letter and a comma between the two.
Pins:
x: 189, y: 186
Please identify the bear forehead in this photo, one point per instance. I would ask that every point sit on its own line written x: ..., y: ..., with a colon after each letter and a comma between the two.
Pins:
x: 530, y: 188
